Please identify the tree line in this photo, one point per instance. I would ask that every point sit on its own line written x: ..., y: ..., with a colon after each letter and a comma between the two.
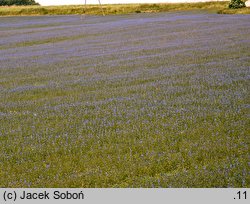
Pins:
x: 17, y: 2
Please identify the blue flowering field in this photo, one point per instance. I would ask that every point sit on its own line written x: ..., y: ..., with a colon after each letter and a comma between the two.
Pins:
x: 140, y: 100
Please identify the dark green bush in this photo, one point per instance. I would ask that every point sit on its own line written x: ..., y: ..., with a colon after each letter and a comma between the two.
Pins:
x: 235, y: 4
x: 17, y: 2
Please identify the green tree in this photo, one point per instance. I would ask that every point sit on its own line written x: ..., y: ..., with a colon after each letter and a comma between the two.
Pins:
x: 17, y: 2
x: 235, y: 4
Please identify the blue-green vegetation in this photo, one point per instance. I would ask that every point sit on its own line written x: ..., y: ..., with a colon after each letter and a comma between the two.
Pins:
x: 142, y: 100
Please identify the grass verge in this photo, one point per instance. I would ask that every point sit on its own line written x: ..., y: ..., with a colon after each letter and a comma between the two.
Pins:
x: 220, y: 7
x: 235, y: 11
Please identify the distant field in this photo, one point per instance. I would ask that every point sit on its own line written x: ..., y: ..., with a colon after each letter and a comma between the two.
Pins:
x: 220, y: 7
x: 141, y: 100
x: 215, y: 7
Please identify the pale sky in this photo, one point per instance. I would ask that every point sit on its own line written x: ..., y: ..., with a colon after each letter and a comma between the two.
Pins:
x: 77, y: 2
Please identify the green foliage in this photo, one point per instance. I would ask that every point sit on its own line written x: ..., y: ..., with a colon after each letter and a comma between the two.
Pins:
x: 236, y: 4
x: 17, y: 2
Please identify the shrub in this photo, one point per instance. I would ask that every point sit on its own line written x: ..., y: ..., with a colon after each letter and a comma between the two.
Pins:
x: 17, y: 2
x: 235, y: 4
